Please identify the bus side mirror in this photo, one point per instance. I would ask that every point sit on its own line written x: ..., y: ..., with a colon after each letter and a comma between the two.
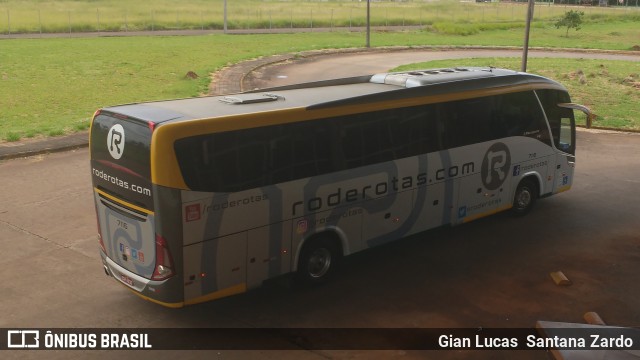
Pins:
x: 584, y: 109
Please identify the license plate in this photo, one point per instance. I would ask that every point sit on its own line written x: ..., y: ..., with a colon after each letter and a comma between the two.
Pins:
x: 127, y: 280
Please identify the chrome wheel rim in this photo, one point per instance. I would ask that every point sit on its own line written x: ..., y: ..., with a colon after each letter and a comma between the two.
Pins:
x: 523, y: 199
x: 319, y: 263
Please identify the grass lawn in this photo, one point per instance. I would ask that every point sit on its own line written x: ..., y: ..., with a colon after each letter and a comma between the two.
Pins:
x: 53, y: 86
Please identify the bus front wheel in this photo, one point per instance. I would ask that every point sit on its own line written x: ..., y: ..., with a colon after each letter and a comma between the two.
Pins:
x: 525, y: 197
x: 318, y: 261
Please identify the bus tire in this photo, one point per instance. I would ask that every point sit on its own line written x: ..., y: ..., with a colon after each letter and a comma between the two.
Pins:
x: 318, y: 261
x: 525, y: 197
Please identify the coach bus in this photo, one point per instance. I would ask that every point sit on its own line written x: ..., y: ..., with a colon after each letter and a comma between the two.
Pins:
x: 201, y: 198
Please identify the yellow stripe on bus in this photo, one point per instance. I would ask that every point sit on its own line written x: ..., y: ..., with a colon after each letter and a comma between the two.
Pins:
x: 165, y: 304
x: 233, y: 290
x: 124, y: 203
x: 487, y: 213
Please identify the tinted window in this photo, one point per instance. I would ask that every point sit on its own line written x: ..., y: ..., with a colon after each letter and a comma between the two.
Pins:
x: 387, y: 135
x: 560, y: 119
x: 520, y: 115
x: 238, y: 160
x: 488, y: 118
x: 468, y: 122
x: 244, y: 159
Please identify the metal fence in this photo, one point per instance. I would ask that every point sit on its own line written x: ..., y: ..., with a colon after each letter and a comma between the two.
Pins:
x: 277, y: 16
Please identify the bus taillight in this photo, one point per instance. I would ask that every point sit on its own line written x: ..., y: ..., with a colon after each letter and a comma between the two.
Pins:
x: 164, y: 262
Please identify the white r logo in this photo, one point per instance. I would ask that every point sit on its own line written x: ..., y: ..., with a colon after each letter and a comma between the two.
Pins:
x: 495, y: 166
x: 115, y: 141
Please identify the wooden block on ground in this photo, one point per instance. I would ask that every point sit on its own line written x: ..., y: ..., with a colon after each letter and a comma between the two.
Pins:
x: 560, y: 279
x: 593, y: 318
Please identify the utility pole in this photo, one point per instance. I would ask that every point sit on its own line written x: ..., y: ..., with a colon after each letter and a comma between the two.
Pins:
x: 225, y: 16
x: 368, y: 23
x: 527, y: 28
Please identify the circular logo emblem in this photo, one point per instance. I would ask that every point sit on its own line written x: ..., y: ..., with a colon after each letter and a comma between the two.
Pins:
x: 495, y: 166
x: 115, y: 141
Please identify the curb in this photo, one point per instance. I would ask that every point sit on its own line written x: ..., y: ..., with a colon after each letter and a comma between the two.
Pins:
x: 231, y: 80
x: 32, y: 147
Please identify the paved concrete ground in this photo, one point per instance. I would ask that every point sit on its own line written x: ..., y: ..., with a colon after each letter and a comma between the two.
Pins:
x: 489, y: 273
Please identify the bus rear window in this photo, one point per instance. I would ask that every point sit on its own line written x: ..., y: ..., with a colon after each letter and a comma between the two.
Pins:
x: 120, y: 158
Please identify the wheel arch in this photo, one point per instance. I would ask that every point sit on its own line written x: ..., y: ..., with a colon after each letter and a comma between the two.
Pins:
x: 534, y: 177
x: 335, y: 234
x: 525, y: 194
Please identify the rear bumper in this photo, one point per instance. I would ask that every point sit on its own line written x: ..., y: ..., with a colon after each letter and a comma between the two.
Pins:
x: 164, y: 292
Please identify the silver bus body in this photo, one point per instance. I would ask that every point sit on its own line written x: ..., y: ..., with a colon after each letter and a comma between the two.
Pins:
x: 211, y: 196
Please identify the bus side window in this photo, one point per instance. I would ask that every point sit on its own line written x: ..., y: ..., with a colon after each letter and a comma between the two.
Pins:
x: 299, y: 151
x: 453, y: 130
x: 467, y: 122
x: 430, y: 136
x: 252, y: 162
x: 224, y: 162
x: 522, y: 116
x: 280, y: 156
x: 367, y: 138
x: 377, y: 137
x: 352, y: 142
x: 312, y: 146
x: 217, y: 164
x: 405, y: 133
x: 240, y: 158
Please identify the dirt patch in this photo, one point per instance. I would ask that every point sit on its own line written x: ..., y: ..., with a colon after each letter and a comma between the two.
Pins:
x: 635, y: 48
x: 632, y: 80
x: 579, y: 75
x: 191, y: 75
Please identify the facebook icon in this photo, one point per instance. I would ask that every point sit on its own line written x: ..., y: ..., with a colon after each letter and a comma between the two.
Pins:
x: 516, y: 170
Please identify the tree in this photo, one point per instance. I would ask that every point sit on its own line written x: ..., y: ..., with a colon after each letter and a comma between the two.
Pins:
x: 571, y: 19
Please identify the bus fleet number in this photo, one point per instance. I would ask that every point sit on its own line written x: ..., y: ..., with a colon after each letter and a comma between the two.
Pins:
x: 122, y: 224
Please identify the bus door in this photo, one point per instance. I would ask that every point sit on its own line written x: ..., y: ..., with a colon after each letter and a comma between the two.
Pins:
x: 563, y: 130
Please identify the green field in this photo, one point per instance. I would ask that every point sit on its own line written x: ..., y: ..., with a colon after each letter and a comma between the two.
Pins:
x: 53, y: 86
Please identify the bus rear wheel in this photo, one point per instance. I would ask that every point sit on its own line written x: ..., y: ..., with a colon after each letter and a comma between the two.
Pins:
x: 318, y: 261
x: 525, y: 197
